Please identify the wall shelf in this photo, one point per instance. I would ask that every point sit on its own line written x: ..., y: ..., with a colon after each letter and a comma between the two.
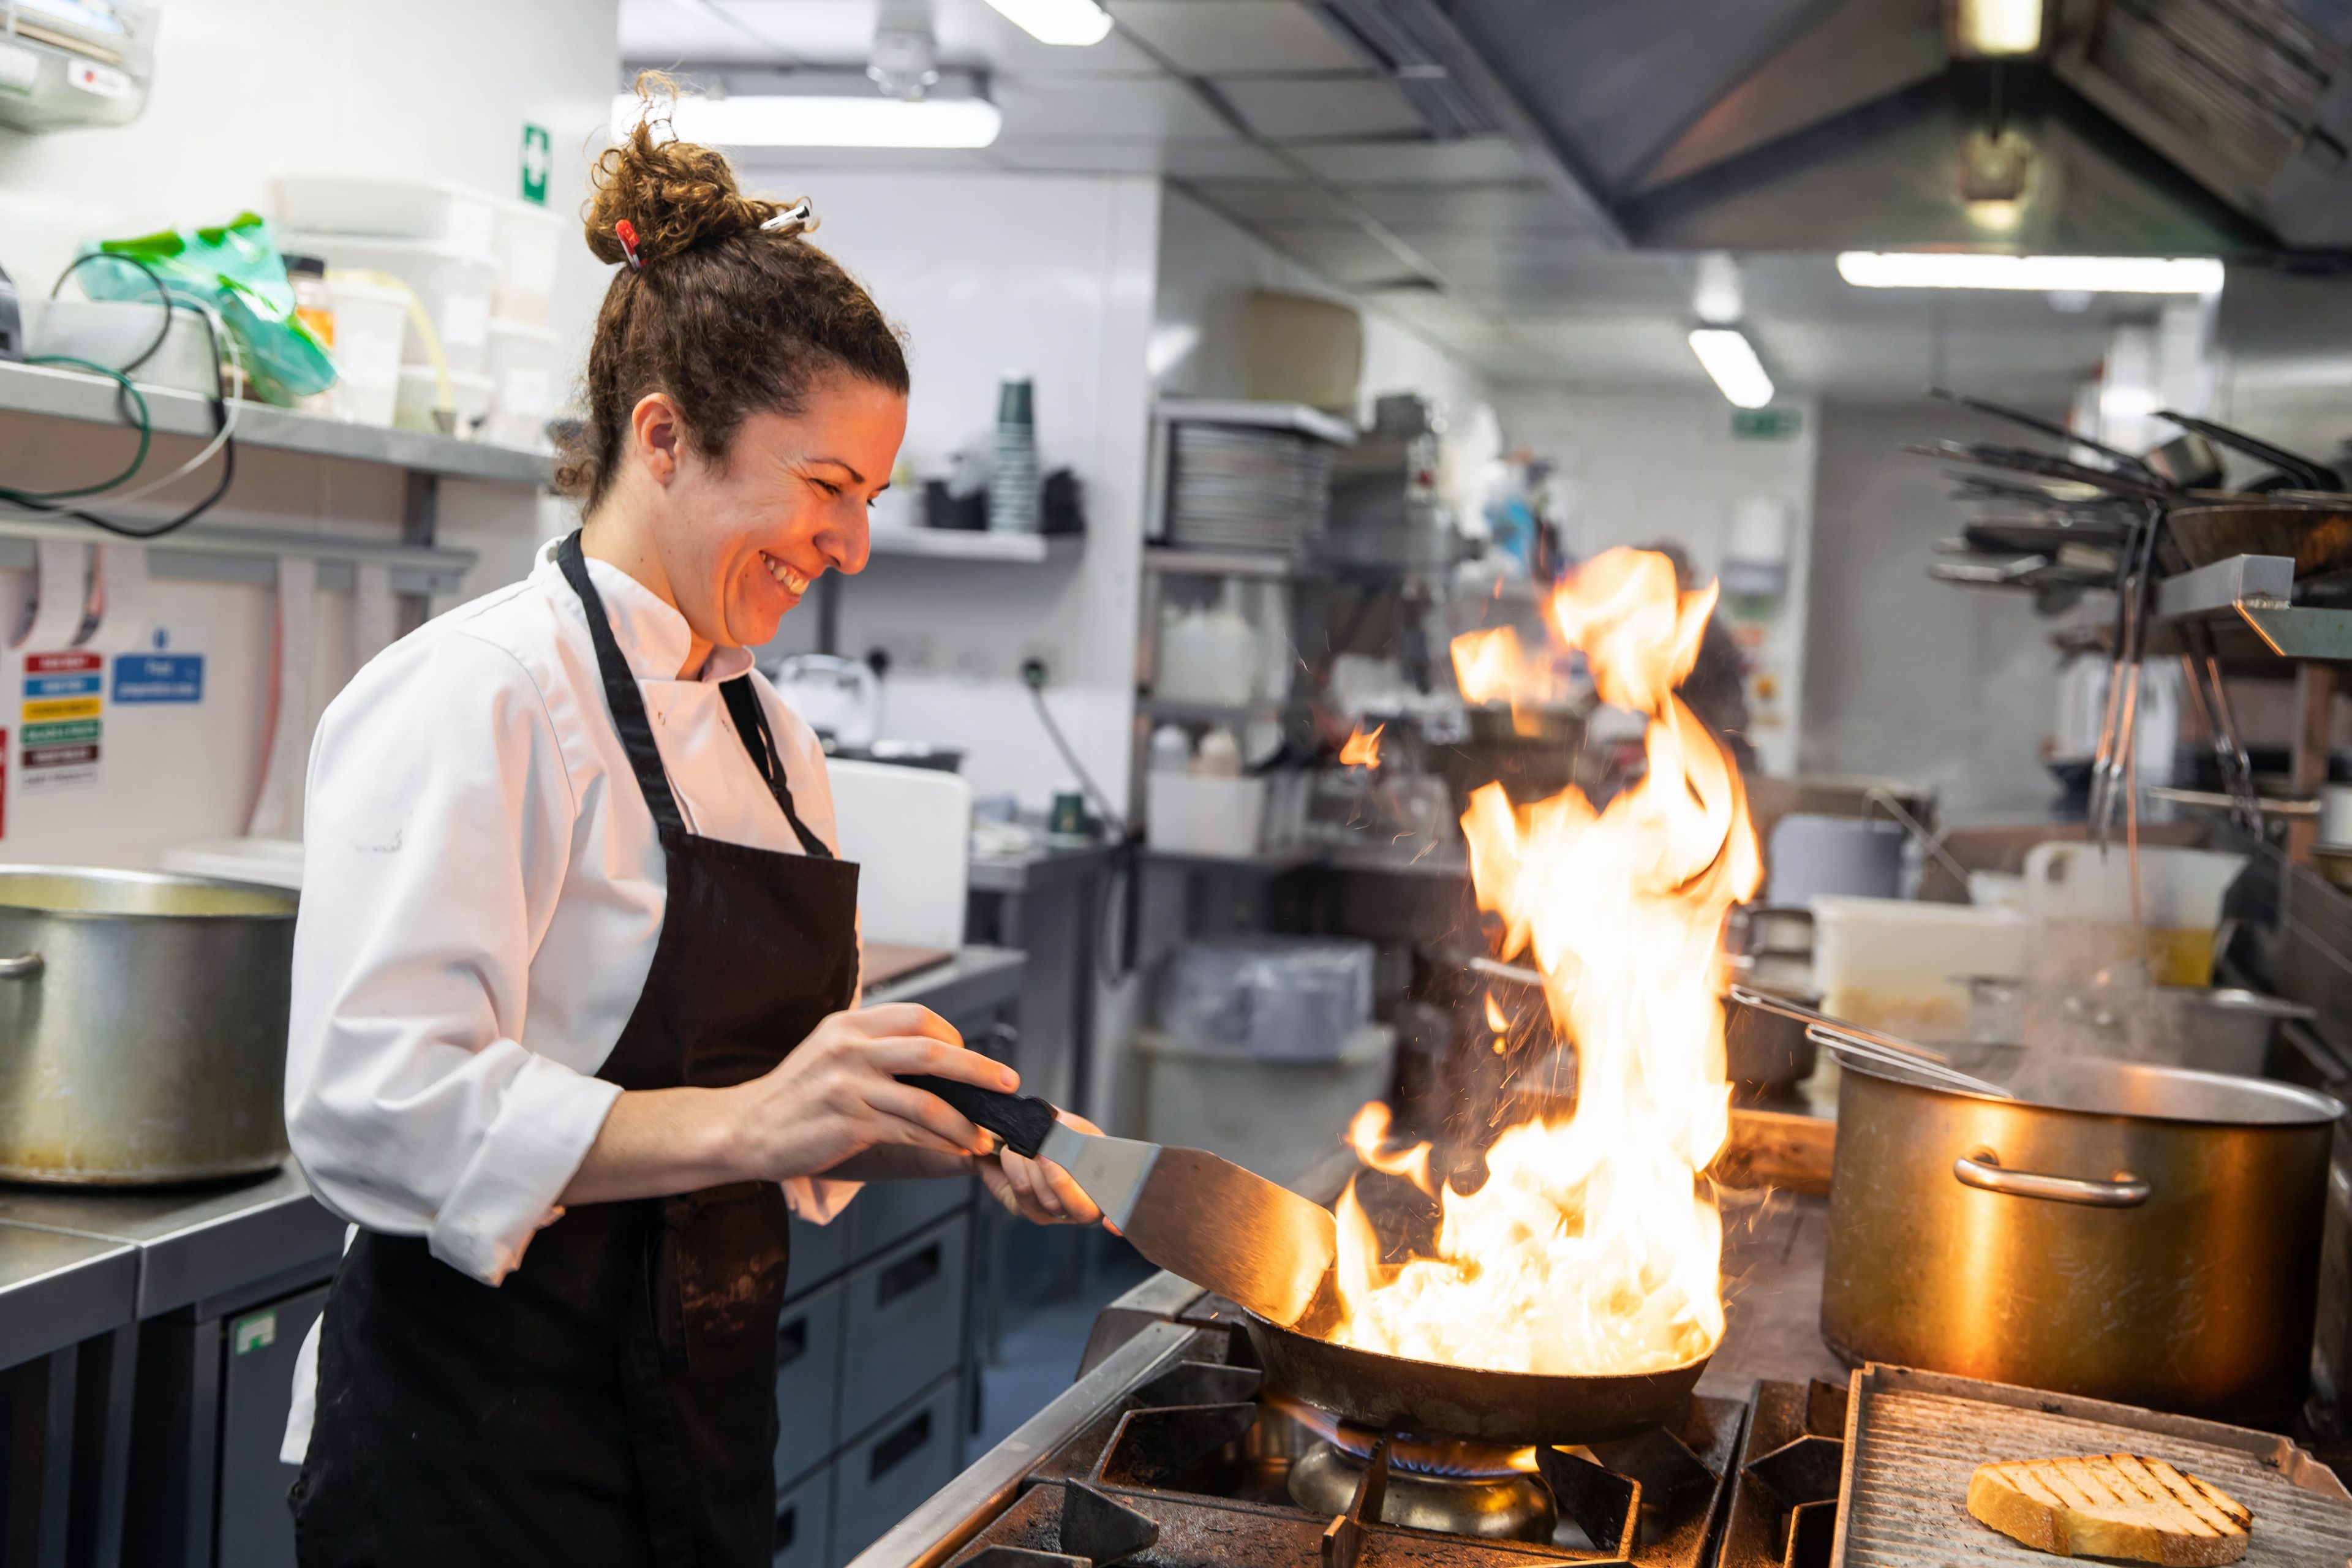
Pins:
x: 1178, y: 563
x: 50, y: 392
x: 1295, y: 416
x: 207, y: 553
x: 1176, y: 710
x: 2253, y: 591
x: 975, y: 544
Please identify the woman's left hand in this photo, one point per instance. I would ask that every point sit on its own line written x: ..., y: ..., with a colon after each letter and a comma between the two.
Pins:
x: 1039, y: 1191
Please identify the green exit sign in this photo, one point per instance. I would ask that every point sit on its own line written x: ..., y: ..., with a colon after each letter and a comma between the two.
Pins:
x: 537, y: 159
x: 1766, y: 424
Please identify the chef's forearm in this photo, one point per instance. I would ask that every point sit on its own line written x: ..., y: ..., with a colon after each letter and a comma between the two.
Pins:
x: 657, y: 1141
x: 898, y: 1163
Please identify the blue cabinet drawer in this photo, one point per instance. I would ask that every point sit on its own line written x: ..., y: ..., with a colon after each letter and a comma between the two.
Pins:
x: 819, y: 1251
x: 808, y: 1382
x: 903, y: 1322
x: 804, y: 1524
x: 887, y: 1473
x: 888, y: 1213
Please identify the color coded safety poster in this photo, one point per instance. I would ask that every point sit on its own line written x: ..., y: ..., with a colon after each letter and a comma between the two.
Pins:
x: 64, y: 716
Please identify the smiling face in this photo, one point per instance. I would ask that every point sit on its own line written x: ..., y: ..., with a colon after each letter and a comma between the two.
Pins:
x: 733, y: 545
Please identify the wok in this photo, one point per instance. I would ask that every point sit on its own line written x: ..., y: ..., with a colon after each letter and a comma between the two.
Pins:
x: 1395, y: 1394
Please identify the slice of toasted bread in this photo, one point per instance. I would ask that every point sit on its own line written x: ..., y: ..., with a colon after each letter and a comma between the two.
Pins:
x: 2111, y: 1505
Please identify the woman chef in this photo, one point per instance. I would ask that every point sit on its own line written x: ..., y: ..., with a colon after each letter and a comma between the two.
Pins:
x: 575, y: 979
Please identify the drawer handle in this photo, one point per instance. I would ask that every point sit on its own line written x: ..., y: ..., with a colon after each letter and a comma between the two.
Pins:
x: 787, y: 1526
x: 24, y: 966
x: 792, y: 1342
x: 905, y: 1274
x: 1983, y: 1171
x: 898, y: 1446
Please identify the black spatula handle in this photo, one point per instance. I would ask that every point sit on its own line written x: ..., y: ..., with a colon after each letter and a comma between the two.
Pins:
x: 1021, y: 1120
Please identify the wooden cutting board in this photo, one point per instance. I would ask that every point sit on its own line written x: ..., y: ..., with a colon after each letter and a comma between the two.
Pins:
x: 890, y: 960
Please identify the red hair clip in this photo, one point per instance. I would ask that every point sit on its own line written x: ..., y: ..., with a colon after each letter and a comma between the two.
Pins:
x: 626, y: 233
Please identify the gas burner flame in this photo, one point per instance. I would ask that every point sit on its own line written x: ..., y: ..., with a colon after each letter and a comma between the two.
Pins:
x: 1361, y: 749
x: 1591, y: 1249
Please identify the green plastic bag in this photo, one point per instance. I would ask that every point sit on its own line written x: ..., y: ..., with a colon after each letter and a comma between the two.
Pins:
x: 237, y: 269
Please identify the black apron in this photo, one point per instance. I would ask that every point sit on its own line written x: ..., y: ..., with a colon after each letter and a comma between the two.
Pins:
x: 613, y: 1402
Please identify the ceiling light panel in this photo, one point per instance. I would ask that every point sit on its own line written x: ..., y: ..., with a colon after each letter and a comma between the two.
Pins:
x: 1995, y: 29
x: 822, y: 119
x: 2040, y: 274
x: 1214, y: 37
x: 1073, y: 24
x: 1730, y: 359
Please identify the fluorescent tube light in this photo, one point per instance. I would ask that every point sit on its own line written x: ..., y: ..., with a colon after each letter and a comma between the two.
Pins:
x: 823, y: 121
x: 2039, y: 274
x: 1075, y: 23
x: 1731, y: 360
x: 1990, y: 29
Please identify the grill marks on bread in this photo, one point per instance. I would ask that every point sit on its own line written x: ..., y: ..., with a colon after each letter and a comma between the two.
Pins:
x: 2111, y: 1505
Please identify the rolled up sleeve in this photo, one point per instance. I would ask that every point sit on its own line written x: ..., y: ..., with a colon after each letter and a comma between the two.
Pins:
x: 436, y: 845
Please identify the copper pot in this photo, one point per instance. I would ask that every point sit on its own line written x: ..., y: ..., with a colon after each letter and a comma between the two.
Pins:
x: 2141, y: 1234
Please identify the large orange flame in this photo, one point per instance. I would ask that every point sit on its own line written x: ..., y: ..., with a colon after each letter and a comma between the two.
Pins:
x: 1361, y: 750
x: 1591, y: 1249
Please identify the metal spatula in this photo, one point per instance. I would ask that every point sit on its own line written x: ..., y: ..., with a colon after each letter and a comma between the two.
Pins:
x: 1194, y: 1214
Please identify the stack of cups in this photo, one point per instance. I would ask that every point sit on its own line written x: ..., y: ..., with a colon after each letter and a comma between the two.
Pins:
x: 1013, y: 491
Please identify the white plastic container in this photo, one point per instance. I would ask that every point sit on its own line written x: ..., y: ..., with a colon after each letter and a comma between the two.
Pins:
x: 1902, y: 966
x: 116, y: 331
x: 420, y: 397
x: 1277, y: 1118
x: 455, y: 285
x: 525, y: 370
x: 2082, y: 901
x: 438, y: 211
x: 525, y: 241
x: 1186, y: 815
x: 370, y: 325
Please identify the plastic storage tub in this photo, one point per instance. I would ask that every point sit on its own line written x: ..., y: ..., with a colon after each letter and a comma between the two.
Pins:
x: 1903, y: 966
x: 1184, y: 814
x: 455, y: 286
x: 370, y: 325
x: 438, y: 211
x: 1282, y: 998
x: 525, y: 378
x: 1277, y: 1118
x: 2083, y: 901
x: 525, y: 241
x: 420, y: 397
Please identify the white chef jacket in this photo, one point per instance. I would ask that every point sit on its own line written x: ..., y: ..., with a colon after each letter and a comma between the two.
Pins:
x: 482, y: 891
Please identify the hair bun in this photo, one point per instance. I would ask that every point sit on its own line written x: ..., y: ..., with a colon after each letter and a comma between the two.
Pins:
x: 675, y: 195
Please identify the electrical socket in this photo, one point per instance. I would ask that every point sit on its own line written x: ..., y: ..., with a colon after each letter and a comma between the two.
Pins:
x: 911, y: 653
x: 1041, y: 663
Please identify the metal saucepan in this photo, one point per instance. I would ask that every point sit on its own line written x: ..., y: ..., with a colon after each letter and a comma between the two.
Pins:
x: 2295, y: 471
x: 1393, y: 1393
x: 2142, y: 1233
x: 142, y: 1025
x: 1765, y: 1049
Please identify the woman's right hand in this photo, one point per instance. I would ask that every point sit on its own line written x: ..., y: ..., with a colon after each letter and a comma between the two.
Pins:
x: 839, y: 1094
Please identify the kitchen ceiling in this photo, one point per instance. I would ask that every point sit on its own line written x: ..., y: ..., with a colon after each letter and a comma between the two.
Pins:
x: 1523, y: 244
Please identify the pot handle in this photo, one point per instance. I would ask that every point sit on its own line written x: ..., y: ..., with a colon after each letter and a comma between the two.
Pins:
x: 24, y: 966
x: 1983, y: 1172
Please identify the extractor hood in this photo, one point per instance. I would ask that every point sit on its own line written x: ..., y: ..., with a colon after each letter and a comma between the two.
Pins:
x: 2135, y: 127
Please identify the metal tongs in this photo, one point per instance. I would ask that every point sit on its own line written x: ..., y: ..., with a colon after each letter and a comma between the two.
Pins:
x: 1870, y: 1045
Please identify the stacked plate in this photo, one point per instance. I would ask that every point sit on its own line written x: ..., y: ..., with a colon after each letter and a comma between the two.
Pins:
x: 1241, y: 488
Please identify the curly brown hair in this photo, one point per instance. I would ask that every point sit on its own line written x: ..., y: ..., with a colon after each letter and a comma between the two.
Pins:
x: 726, y: 314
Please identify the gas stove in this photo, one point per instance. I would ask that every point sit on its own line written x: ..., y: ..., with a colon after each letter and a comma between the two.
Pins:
x: 1169, y: 1452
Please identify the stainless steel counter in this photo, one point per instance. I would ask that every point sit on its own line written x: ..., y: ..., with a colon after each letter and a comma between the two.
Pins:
x: 191, y: 1242
x: 976, y: 979
x: 56, y: 1289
